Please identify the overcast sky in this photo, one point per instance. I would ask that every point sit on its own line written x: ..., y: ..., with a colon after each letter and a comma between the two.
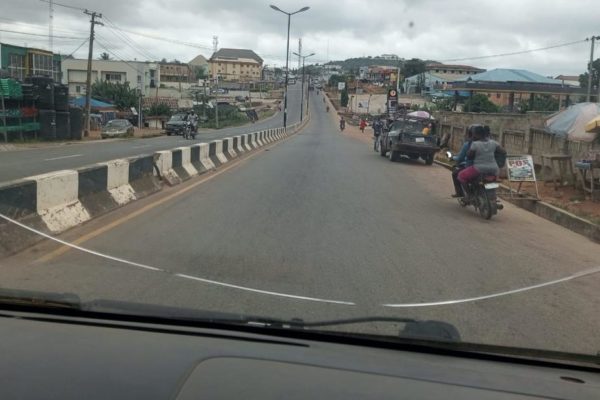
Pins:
x: 334, y: 30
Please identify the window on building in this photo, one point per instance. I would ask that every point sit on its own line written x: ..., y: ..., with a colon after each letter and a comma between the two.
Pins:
x: 16, y: 66
x: 112, y: 77
x: 78, y: 89
x: 41, y: 64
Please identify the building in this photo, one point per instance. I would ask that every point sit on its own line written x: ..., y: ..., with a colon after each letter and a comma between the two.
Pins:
x: 451, y: 69
x: 139, y: 74
x: 199, y: 66
x: 570, y: 80
x: 20, y: 62
x: 427, y: 82
x: 389, y: 57
x: 382, y: 73
x: 236, y: 65
x: 510, y: 87
x: 174, y: 74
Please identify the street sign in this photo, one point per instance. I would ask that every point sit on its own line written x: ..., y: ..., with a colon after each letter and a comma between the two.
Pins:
x: 341, y: 86
x: 520, y: 168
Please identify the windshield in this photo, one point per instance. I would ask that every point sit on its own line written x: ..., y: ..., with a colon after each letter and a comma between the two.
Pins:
x: 273, y: 209
x: 119, y: 123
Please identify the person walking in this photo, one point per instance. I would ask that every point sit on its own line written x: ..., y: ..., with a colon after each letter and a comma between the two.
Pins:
x: 377, y: 128
x: 363, y: 125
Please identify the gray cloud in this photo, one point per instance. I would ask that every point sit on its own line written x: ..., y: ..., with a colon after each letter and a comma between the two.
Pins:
x: 334, y: 30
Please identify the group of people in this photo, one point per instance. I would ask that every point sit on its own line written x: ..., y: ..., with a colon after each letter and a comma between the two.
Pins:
x: 478, y: 156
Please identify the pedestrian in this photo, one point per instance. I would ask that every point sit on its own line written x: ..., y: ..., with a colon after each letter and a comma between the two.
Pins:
x: 363, y: 125
x: 427, y: 130
x: 377, y: 128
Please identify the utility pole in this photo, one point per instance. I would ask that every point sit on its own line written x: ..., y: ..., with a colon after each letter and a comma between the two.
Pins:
x: 217, y: 102
x: 51, y: 27
x: 591, y: 72
x: 88, y: 81
x: 299, y: 51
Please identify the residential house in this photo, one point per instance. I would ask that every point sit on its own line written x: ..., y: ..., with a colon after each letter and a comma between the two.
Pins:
x: 427, y: 82
x: 199, y: 65
x: 140, y: 74
x: 382, y: 73
x: 452, y: 69
x: 175, y: 74
x: 389, y: 57
x: 21, y: 62
x: 236, y: 65
x: 569, y: 80
x: 510, y: 87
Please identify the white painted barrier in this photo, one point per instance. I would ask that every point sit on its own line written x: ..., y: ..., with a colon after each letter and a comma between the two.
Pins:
x: 204, y: 158
x: 186, y: 160
x: 118, y: 181
x: 230, y: 149
x: 239, y: 148
x: 219, y: 151
x: 57, y: 200
x: 164, y: 162
x: 247, y: 140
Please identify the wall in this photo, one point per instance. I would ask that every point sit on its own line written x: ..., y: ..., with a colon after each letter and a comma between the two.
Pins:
x: 518, y: 133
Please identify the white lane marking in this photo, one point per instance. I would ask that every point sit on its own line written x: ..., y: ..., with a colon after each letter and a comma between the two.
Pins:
x: 140, y: 146
x: 576, y: 275
x: 62, y: 157
x: 155, y: 269
x: 499, y: 294
x: 292, y: 296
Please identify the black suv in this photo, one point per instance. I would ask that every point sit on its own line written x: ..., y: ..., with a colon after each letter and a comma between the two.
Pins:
x: 408, y: 137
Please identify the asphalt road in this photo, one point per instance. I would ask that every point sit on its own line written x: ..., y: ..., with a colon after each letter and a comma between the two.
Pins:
x: 23, y: 163
x: 322, y: 217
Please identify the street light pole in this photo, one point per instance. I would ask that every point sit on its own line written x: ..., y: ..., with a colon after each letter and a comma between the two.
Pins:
x: 287, y: 58
x: 302, y: 95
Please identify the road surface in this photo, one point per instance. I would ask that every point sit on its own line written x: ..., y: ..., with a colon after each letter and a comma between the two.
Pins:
x: 23, y: 163
x: 318, y: 227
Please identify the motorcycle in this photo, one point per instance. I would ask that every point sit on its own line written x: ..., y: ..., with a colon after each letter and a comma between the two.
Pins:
x: 327, y: 109
x: 189, y: 132
x: 481, y: 194
x: 342, y: 125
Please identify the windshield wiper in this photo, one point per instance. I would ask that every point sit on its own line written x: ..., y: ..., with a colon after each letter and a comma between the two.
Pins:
x: 29, y: 298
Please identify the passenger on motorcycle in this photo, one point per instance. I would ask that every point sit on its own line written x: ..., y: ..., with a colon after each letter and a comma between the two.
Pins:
x: 462, y: 162
x: 483, y: 152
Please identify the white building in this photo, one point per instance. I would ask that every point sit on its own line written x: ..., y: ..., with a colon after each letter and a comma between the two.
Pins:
x: 139, y: 74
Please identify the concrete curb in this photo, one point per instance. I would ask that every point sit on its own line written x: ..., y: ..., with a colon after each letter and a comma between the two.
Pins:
x: 60, y: 200
x: 549, y: 212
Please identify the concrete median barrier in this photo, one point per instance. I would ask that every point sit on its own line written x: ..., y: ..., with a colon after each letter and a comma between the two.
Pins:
x: 205, y: 159
x: 238, y: 145
x: 164, y: 163
x: 93, y: 189
x: 228, y: 149
x: 117, y: 182
x: 246, y: 141
x: 57, y: 200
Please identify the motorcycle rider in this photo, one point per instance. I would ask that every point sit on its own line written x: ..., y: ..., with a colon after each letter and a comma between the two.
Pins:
x: 461, y: 161
x: 483, y: 152
x: 377, y: 128
x: 342, y: 123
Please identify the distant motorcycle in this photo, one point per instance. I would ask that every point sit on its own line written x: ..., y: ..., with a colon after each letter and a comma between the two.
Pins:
x: 189, y: 131
x: 342, y: 125
x: 481, y: 194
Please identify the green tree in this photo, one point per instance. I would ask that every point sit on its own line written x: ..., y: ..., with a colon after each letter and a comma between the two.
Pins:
x: 344, y: 98
x: 583, y: 78
x: 118, y: 93
x: 480, y: 103
x: 540, y: 103
x: 159, y: 109
x: 104, y: 56
x: 334, y: 79
x: 412, y: 67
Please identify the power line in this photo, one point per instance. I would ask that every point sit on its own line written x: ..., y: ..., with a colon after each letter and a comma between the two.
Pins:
x: 36, y: 26
x: 78, y: 47
x: 40, y: 34
x: 140, y: 50
x: 64, y: 5
x: 515, y: 52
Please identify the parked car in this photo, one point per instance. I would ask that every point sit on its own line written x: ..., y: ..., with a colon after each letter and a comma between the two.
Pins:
x: 405, y: 137
x: 177, y: 124
x: 117, y: 128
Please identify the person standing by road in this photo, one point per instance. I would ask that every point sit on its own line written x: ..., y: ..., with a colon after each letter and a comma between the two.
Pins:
x: 363, y: 125
x: 377, y: 128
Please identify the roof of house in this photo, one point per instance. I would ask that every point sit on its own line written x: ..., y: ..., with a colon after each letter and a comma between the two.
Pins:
x: 198, y: 60
x: 509, y: 75
x: 574, y: 78
x: 234, y: 54
x: 452, y: 66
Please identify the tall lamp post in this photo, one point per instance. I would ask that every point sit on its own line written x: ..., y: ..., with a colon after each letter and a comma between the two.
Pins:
x: 302, y: 98
x: 287, y: 56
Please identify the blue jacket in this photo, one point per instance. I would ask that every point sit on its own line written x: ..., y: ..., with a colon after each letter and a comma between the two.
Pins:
x: 461, y: 157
